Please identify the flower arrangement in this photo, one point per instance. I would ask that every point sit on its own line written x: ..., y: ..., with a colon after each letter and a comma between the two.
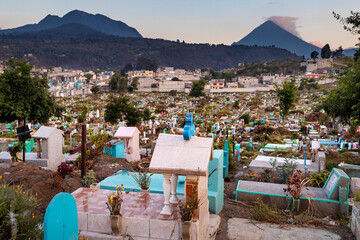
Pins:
x: 188, y: 207
x: 114, y: 201
x: 296, y: 184
x: 142, y: 178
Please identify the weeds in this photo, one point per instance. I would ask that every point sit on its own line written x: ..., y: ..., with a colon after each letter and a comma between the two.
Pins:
x: 262, y: 212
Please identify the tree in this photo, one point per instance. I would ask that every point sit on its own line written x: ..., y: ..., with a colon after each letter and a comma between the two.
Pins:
x: 344, y: 101
x: 146, y: 64
x: 23, y: 97
x: 314, y: 54
x: 146, y: 114
x: 95, y: 89
x: 351, y: 24
x: 134, y: 83
x: 173, y: 93
x: 118, y: 83
x: 287, y: 96
x: 128, y: 67
x: 338, y: 53
x: 197, y: 89
x: 120, y: 108
x: 88, y: 77
x: 84, y: 112
x: 326, y: 52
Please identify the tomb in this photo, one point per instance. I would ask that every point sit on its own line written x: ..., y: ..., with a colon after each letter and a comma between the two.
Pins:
x: 49, y: 143
x: 145, y: 215
x: 329, y: 200
x: 130, y: 137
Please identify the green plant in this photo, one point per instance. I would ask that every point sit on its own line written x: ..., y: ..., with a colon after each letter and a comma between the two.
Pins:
x: 188, y: 207
x: 286, y: 169
x: 142, y: 178
x: 357, y: 196
x: 319, y: 179
x: 17, y: 147
x: 266, y: 175
x: 343, y: 221
x: 89, y: 178
x: 114, y: 201
x: 302, y: 217
x: 262, y: 212
x: 17, y: 218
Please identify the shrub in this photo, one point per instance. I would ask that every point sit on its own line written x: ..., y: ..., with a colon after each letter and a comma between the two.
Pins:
x: 286, y: 169
x: 262, y: 212
x: 89, y: 178
x: 64, y: 169
x: 17, y: 218
x: 319, y: 179
x: 296, y: 184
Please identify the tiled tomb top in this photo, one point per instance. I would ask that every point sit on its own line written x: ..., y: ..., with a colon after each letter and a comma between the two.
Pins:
x: 135, y: 204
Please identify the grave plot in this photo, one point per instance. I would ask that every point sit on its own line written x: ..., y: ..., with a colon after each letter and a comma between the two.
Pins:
x: 331, y: 200
x: 49, y: 142
x: 263, y: 162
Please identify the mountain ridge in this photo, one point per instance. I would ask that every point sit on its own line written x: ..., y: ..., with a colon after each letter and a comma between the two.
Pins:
x: 78, y: 46
x: 97, y: 22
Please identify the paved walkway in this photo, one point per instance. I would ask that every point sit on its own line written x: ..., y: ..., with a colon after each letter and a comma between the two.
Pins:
x: 243, y: 229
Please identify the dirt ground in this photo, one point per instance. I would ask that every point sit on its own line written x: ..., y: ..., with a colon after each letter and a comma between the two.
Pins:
x: 46, y: 184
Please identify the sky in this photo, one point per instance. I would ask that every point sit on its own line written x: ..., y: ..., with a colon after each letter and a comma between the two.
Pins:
x: 200, y: 21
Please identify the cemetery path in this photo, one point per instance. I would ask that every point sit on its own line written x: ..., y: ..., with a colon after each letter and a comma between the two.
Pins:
x: 239, y: 228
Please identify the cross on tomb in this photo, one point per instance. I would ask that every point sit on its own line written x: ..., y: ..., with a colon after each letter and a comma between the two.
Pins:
x: 23, y: 133
x: 82, y: 148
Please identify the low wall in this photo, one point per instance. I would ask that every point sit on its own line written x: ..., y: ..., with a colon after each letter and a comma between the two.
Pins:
x: 355, y: 220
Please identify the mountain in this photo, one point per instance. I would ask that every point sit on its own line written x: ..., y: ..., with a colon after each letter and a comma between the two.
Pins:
x: 270, y: 34
x: 75, y: 45
x: 349, y: 52
x: 97, y: 22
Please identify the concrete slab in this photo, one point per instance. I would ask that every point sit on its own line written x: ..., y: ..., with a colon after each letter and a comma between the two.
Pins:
x: 260, y: 162
x: 239, y: 228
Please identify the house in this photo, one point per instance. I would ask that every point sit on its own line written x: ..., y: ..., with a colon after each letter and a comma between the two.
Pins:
x: 218, y: 84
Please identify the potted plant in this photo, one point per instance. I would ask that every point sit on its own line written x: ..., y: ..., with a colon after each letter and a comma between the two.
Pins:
x: 15, y: 151
x: 114, y: 205
x: 188, y: 211
x: 89, y: 179
x: 143, y: 179
x: 294, y: 188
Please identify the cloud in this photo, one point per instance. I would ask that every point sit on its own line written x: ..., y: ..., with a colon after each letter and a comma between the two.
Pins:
x: 317, y: 43
x: 286, y: 22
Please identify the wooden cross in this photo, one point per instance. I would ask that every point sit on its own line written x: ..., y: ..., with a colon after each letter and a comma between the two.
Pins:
x: 82, y: 148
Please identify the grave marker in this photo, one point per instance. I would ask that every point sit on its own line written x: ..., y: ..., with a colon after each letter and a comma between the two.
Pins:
x: 336, y: 180
x: 61, y: 219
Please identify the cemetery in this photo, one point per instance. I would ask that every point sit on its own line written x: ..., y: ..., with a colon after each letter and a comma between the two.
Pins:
x: 209, y: 156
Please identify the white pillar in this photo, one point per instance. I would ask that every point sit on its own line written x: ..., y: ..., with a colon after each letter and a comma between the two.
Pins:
x: 174, y: 180
x: 166, y: 188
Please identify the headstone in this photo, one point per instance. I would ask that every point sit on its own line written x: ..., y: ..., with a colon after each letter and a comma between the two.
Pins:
x: 61, y: 219
x: 337, y: 178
